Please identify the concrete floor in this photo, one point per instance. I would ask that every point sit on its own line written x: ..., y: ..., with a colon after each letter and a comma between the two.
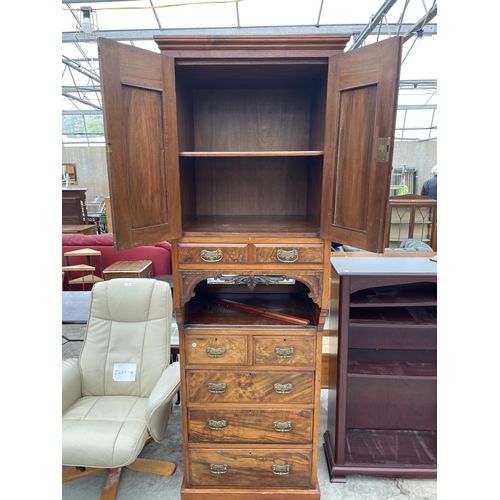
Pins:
x: 138, y: 485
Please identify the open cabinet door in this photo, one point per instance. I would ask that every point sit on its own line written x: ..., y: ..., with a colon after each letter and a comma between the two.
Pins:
x: 138, y: 92
x: 359, y: 140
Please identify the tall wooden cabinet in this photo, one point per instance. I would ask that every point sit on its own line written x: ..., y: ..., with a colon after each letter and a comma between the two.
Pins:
x: 250, y: 154
x: 382, y: 415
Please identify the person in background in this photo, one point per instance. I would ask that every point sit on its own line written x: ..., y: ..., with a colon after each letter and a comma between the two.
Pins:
x: 430, y: 187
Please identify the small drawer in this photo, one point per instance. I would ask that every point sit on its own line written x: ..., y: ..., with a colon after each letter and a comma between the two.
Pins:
x: 250, y: 426
x: 289, y: 254
x: 216, y: 350
x: 280, y: 351
x: 250, y: 387
x: 198, y: 253
x: 250, y: 468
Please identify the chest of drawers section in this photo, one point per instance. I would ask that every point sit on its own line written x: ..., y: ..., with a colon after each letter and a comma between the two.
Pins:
x: 251, y: 407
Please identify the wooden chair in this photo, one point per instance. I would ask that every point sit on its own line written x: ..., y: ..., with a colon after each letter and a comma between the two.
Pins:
x: 72, y: 212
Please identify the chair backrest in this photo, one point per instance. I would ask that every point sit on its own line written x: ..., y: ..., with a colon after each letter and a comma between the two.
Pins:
x: 127, y: 341
x: 72, y: 210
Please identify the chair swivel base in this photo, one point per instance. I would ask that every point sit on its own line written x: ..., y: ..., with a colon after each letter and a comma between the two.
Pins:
x: 110, y: 489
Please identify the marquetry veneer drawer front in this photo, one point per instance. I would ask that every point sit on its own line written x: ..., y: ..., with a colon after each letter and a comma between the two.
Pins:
x: 199, y: 253
x: 252, y: 469
x: 285, y: 351
x: 250, y: 387
x: 216, y: 350
x: 289, y: 254
x: 250, y: 426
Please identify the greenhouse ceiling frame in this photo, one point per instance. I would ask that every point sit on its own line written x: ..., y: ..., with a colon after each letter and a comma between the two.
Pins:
x: 378, y: 25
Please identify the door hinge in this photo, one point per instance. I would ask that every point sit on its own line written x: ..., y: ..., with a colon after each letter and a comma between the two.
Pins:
x: 383, y: 147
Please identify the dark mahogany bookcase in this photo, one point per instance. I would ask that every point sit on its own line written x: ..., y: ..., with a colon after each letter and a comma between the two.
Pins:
x: 382, y: 412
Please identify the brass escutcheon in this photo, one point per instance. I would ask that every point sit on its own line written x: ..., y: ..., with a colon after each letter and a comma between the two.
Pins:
x: 287, y: 255
x: 218, y: 468
x: 282, y: 426
x: 217, y: 388
x: 216, y: 352
x: 211, y: 255
x: 283, y: 388
x: 217, y: 425
x: 284, y: 352
x: 281, y: 470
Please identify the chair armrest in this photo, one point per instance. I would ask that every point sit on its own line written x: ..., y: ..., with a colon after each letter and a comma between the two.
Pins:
x: 158, y: 409
x: 71, y: 382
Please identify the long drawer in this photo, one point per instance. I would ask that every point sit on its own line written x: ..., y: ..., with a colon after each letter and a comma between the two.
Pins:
x: 249, y: 387
x: 233, y: 425
x: 250, y: 468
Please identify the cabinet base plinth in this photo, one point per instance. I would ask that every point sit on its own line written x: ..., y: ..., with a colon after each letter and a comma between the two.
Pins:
x: 338, y: 473
x: 188, y: 493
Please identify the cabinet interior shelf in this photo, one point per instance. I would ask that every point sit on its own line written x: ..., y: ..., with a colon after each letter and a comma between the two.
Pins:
x: 391, y: 447
x: 390, y: 296
x: 397, y: 363
x: 226, y: 154
x: 394, y: 316
x: 253, y: 225
x: 206, y: 309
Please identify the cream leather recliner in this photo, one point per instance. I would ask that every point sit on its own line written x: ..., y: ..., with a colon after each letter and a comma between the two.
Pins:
x: 117, y: 395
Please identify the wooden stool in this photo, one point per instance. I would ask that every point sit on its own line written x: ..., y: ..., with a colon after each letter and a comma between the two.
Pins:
x: 89, y: 278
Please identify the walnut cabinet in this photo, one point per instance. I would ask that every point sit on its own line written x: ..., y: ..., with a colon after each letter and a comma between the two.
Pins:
x: 250, y: 155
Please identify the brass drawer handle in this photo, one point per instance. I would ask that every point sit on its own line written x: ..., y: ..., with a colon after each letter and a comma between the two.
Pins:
x: 284, y: 352
x: 218, y: 468
x: 287, y: 256
x: 216, y: 352
x: 281, y: 470
x: 217, y: 425
x: 217, y: 388
x: 283, y: 388
x: 282, y: 426
x: 211, y: 255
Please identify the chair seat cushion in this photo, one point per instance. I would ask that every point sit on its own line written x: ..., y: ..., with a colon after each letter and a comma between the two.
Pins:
x: 104, y: 431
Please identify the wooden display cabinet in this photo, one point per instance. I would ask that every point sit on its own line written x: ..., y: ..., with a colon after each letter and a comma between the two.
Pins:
x: 411, y: 216
x: 382, y: 414
x: 250, y: 155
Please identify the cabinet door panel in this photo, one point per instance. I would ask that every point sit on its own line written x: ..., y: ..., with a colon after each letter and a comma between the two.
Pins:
x: 359, y: 141
x: 141, y: 139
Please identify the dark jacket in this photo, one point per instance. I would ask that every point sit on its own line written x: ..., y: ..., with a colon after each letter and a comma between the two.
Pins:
x: 430, y: 188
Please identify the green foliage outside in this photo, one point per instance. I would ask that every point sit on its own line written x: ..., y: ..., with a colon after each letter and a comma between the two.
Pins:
x: 82, y: 125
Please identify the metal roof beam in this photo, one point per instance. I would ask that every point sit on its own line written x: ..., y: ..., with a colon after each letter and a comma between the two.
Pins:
x: 416, y: 106
x: 374, y: 22
x: 83, y: 101
x: 78, y: 67
x: 81, y: 88
x: 340, y: 29
x: 420, y: 25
